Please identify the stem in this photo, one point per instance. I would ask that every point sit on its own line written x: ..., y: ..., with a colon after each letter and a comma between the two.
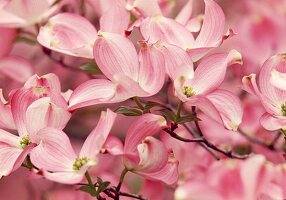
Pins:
x: 276, y: 138
x: 284, y: 132
x: 122, y: 176
x: 28, y: 164
x: 176, y: 136
x: 138, y: 103
x: 259, y: 141
x: 180, y: 107
x: 134, y: 196
x: 88, y: 178
x: 196, y: 122
x: 201, y: 140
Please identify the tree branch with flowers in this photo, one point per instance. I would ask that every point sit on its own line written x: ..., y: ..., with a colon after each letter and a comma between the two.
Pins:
x: 182, y: 108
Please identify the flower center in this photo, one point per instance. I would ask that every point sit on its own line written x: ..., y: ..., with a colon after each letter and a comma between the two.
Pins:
x: 40, y: 90
x: 79, y: 162
x: 283, y: 109
x: 188, y: 91
x: 25, y: 141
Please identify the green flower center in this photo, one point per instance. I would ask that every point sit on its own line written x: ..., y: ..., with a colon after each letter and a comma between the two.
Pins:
x: 188, y: 91
x: 25, y: 141
x: 79, y: 162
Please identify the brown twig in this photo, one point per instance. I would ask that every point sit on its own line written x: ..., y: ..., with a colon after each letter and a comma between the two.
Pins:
x: 201, y: 140
x: 270, y: 146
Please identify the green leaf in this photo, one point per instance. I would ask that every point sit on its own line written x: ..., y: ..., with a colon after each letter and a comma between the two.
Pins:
x: 25, y: 40
x: 91, y: 68
x: 152, y: 104
x: 187, y: 118
x: 89, y: 190
x: 129, y: 111
x: 168, y: 114
x: 102, y: 186
x: 99, y: 180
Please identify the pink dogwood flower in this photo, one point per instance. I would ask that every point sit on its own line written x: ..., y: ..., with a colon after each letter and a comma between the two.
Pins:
x: 31, y: 108
x: 21, y: 13
x: 74, y: 35
x: 57, y: 158
x: 233, y: 179
x: 157, y: 27
x: 129, y: 74
x: 271, y: 97
x: 200, y: 88
x: 146, y: 155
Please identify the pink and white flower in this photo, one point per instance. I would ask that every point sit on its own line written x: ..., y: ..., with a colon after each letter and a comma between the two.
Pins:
x: 57, y: 158
x: 271, y: 97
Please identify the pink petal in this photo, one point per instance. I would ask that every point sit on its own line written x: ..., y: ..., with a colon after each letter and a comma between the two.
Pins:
x: 11, y: 153
x: 153, y: 155
x: 92, y: 92
x: 152, y: 71
x: 20, y: 101
x: 147, y: 8
x: 229, y: 108
x: 206, y: 106
x: 17, y: 68
x: 50, y: 81
x: 23, y: 13
x: 116, y: 55
x: 167, y: 30
x: 9, y: 138
x: 255, y: 174
x: 64, y: 177
x: 98, y: 136
x: 146, y: 125
x: 113, y: 145
x: 23, y: 155
x: 194, y: 25
x: 115, y: 19
x: 153, y: 190
x: 271, y: 123
x: 186, y: 13
x: 22, y: 98
x: 177, y: 62
x: 278, y: 63
x: 249, y: 84
x: 70, y: 34
x: 54, y: 152
x: 6, y: 41
x: 168, y: 174
x: 128, y: 87
x: 44, y: 113
x: 8, y: 156
x: 197, y: 189
x: 211, y: 71
x: 8, y: 19
x: 67, y: 94
x: 101, y: 6
x: 278, y: 79
x: 197, y: 53
x: 213, y: 26
x: 6, y: 118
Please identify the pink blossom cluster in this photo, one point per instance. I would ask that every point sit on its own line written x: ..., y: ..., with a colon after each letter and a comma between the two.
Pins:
x: 142, y: 99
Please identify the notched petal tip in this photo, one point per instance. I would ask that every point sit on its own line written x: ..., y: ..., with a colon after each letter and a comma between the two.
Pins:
x: 234, y: 57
